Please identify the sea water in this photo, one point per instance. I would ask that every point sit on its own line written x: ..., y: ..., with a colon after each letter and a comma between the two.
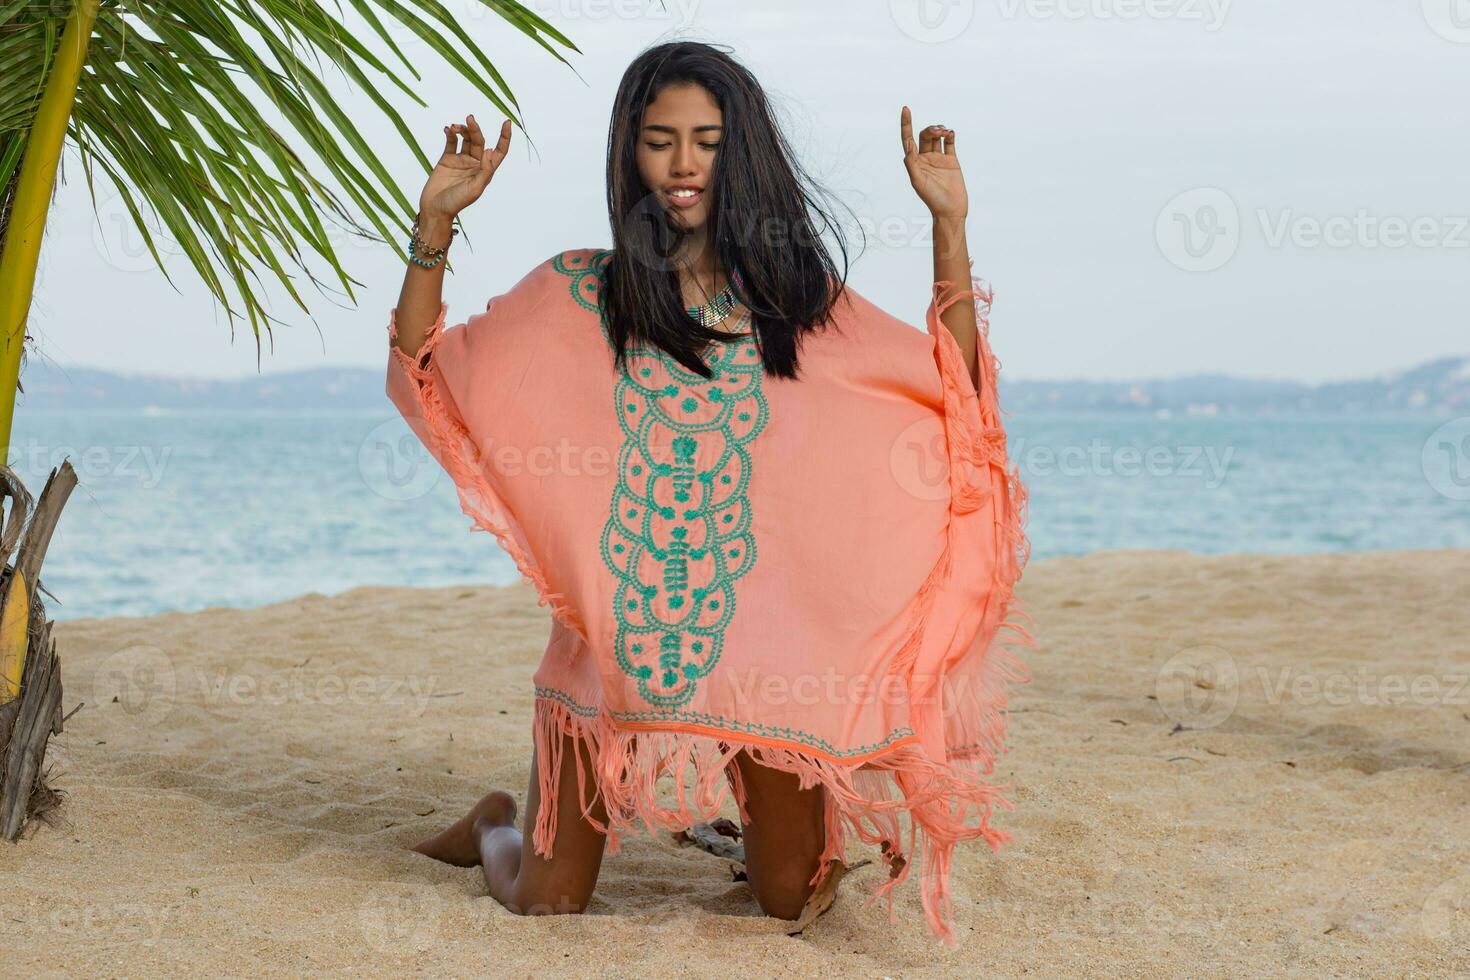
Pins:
x: 189, y: 511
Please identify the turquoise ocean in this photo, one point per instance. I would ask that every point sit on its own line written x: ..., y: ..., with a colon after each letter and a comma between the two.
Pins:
x: 189, y: 511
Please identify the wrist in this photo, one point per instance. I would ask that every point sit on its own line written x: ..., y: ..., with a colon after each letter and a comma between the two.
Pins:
x: 436, y: 229
x: 949, y: 239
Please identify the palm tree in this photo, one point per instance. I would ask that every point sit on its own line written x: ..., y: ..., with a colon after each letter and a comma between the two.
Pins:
x: 212, y: 120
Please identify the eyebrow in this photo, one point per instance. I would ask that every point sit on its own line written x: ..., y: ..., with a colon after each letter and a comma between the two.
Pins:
x: 671, y: 129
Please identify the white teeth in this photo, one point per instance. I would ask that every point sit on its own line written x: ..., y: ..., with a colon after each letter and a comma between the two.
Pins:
x: 683, y: 193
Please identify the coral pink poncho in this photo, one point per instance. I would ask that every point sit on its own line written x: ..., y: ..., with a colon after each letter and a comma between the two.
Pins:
x: 813, y: 570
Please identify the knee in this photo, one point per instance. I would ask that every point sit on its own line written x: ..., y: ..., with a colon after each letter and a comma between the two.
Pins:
x: 782, y: 895
x: 550, y: 905
x: 550, y: 895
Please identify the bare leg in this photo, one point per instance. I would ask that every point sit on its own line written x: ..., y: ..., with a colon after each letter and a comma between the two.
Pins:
x: 518, y: 878
x: 784, y: 838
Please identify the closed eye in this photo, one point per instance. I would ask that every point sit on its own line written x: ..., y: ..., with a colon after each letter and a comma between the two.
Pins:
x: 665, y: 146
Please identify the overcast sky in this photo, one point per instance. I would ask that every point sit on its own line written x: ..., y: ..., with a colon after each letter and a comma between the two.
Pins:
x: 1157, y: 187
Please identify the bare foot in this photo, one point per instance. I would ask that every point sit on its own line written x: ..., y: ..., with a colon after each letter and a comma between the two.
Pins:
x: 459, y: 843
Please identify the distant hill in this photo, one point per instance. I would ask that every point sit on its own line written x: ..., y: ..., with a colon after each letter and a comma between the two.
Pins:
x: 1441, y: 386
x: 1436, y: 387
x: 51, y: 388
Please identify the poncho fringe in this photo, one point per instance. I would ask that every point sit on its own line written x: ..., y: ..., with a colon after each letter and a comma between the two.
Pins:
x: 946, y: 801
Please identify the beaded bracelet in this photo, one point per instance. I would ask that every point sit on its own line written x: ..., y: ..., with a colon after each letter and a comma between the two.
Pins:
x: 417, y: 246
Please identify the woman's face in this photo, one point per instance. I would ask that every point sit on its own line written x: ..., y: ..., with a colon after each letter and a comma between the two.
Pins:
x: 682, y: 129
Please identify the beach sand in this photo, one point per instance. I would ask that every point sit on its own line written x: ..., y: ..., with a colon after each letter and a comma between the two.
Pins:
x: 245, y: 784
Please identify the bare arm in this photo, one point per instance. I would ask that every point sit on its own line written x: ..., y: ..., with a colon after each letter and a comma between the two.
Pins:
x: 934, y: 169
x: 952, y: 263
x: 423, y: 290
x: 457, y: 181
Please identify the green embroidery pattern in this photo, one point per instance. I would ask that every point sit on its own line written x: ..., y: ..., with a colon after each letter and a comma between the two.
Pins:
x: 678, y: 530
x: 678, y: 534
x: 584, y: 273
x: 580, y: 710
x: 729, y: 725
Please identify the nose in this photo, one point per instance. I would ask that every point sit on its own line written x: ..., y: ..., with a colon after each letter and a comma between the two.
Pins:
x: 683, y: 163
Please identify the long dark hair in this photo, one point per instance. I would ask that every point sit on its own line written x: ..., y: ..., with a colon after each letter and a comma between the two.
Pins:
x: 760, y: 224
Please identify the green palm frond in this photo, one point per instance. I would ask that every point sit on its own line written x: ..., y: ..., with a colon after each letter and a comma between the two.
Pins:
x: 216, y: 123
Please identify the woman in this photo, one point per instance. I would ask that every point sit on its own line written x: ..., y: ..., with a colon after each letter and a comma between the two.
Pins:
x: 781, y: 534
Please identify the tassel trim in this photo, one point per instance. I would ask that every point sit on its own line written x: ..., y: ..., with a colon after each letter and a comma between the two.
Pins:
x: 943, y: 804
x: 976, y: 452
x: 975, y: 440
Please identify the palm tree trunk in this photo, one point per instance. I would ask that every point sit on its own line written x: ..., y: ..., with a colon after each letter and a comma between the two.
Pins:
x: 22, y: 248
x: 28, y: 722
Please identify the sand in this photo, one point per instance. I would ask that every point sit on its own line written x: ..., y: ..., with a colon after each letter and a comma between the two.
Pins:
x: 244, y: 785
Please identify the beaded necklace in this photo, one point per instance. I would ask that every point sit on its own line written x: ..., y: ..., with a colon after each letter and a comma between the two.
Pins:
x: 718, y: 308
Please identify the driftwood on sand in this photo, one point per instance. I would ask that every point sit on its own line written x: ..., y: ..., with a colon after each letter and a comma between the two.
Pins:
x: 29, y: 717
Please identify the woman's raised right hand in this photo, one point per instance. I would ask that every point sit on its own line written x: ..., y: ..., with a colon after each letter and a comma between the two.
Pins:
x: 463, y: 172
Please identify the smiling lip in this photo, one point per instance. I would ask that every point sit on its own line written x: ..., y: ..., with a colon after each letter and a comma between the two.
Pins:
x: 684, y: 202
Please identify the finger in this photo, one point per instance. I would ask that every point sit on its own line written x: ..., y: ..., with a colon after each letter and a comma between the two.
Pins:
x: 490, y: 162
x: 475, y: 144
x: 502, y: 145
x: 906, y: 131
x: 926, y: 140
x: 456, y: 132
x: 448, y: 141
x: 949, y: 149
x: 491, y: 159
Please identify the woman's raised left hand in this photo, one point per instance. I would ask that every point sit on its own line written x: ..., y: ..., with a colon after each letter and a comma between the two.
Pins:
x: 934, y: 168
